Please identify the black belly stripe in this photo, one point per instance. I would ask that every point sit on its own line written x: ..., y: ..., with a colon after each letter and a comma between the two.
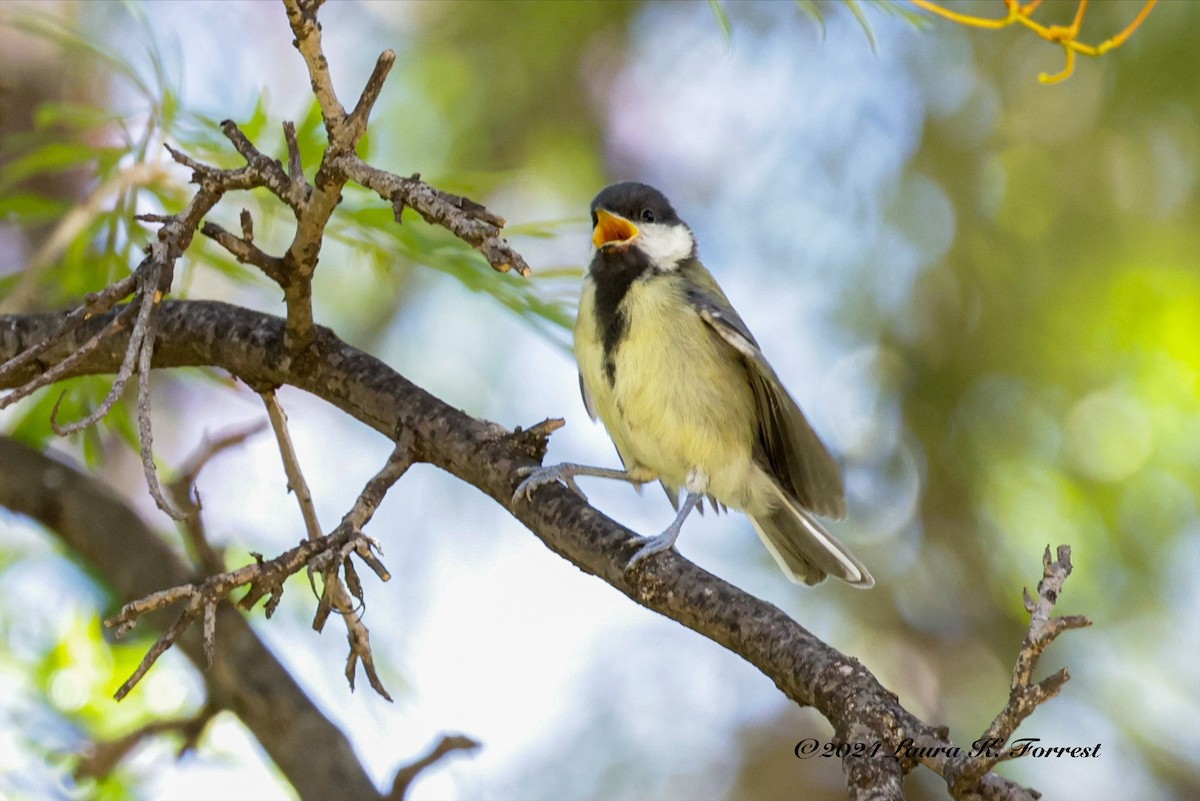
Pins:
x: 613, y: 271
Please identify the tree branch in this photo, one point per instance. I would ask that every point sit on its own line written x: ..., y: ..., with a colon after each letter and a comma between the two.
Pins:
x: 250, y: 345
x: 446, y: 746
x: 182, y: 489
x: 463, y: 217
x: 246, y: 678
x: 1025, y: 695
x: 302, y: 16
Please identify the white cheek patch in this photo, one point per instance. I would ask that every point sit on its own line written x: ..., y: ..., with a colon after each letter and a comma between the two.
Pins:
x: 666, y: 245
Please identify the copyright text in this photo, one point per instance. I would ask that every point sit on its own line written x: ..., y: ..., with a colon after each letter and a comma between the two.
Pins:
x: 907, y: 749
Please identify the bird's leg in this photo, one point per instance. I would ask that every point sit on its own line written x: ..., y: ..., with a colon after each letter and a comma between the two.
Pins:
x: 565, y: 472
x: 664, y: 541
x: 696, y: 485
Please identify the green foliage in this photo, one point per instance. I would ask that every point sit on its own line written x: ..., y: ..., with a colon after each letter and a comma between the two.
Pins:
x: 722, y: 18
x: 813, y: 11
x: 73, y: 400
x: 90, y: 145
x: 100, y: 149
x: 861, y: 18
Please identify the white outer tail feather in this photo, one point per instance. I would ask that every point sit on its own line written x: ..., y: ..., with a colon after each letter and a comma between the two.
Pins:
x: 853, y: 572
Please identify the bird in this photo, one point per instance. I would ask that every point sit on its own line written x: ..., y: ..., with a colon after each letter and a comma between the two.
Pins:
x: 689, y: 399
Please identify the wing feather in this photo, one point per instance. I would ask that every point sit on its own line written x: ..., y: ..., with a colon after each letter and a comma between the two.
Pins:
x: 791, y: 450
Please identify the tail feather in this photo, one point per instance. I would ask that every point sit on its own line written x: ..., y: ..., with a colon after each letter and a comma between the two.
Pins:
x: 805, y: 550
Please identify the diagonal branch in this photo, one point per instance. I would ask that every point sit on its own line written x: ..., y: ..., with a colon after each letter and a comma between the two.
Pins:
x: 247, y: 679
x: 356, y: 123
x: 102, y: 758
x: 463, y: 217
x: 302, y: 16
x: 291, y: 464
x: 245, y: 251
x: 805, y: 669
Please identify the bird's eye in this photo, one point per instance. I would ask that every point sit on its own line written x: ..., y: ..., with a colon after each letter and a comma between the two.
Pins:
x: 647, y: 215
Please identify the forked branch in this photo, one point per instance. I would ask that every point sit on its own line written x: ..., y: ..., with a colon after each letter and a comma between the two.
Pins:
x: 1025, y: 695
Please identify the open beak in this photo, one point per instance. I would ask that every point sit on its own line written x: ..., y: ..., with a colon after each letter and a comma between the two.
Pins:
x: 612, y: 229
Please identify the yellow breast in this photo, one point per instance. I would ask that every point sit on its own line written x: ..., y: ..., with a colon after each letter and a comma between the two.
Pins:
x: 680, y: 399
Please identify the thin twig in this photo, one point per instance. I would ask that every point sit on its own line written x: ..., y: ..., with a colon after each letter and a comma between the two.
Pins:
x: 247, y: 223
x: 400, y: 459
x: 185, y: 496
x: 93, y: 304
x: 1025, y: 696
x: 246, y: 252
x: 405, y: 775
x: 159, y: 648
x: 264, y: 577
x: 268, y: 171
x: 295, y: 167
x: 291, y: 464
x: 59, y: 370
x: 463, y: 217
x: 357, y: 121
x: 145, y: 430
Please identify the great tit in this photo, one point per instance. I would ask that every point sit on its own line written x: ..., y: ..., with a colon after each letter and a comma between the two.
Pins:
x: 688, y: 397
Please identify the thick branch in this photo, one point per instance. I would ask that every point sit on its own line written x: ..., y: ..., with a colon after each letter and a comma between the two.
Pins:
x: 246, y: 678
x: 250, y: 345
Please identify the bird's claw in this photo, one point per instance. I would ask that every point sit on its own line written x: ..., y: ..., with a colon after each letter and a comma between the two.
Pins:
x: 652, y: 546
x: 537, y: 476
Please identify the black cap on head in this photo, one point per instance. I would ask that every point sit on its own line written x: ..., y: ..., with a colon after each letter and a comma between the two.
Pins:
x: 639, y: 203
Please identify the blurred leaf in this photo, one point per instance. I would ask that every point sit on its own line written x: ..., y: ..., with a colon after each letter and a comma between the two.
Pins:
x: 50, y: 157
x: 255, y: 127
x: 31, y: 209
x: 810, y: 8
x: 76, y: 116
x: 722, y: 19
x: 56, y: 29
x: 859, y: 15
x: 905, y: 11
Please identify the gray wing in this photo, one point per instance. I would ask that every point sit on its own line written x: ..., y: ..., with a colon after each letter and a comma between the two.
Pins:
x: 790, y: 449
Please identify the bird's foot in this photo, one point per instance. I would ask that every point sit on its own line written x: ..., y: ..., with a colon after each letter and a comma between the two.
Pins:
x: 654, y: 545
x: 537, y: 476
x: 664, y: 541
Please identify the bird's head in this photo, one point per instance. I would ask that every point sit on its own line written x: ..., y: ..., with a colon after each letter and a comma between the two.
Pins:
x: 634, y: 215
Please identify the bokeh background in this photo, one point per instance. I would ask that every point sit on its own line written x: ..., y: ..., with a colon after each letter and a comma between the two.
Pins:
x: 984, y: 291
